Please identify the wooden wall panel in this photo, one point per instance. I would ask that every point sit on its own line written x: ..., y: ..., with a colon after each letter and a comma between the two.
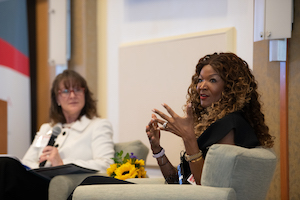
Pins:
x: 268, y: 76
x: 284, y: 146
x: 294, y: 106
x: 43, y: 70
x: 84, y: 42
x: 3, y: 127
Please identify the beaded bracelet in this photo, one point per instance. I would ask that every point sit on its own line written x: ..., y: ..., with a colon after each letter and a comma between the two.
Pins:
x: 159, y: 154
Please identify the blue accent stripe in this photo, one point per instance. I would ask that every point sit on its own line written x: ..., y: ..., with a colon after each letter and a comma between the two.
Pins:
x: 13, y: 24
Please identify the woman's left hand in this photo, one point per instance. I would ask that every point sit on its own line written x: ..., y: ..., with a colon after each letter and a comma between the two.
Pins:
x: 51, y: 154
x: 180, y: 126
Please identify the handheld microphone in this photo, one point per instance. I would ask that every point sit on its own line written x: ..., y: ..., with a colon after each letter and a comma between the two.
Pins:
x: 55, y: 132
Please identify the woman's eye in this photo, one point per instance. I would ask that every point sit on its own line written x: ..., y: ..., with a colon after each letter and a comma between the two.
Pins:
x: 76, y: 89
x: 65, y: 91
x: 213, y: 80
x: 199, y: 80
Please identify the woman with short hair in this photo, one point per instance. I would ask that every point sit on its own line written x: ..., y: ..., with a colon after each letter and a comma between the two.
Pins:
x: 83, y: 139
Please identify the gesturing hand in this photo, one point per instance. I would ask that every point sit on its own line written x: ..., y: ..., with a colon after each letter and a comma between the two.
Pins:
x: 51, y: 153
x: 180, y: 126
x: 153, y: 134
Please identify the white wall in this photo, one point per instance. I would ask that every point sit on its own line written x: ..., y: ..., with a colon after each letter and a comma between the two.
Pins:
x: 15, y: 90
x: 136, y: 20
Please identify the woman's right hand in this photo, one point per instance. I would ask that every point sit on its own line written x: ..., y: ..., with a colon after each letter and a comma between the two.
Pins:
x: 51, y: 153
x: 153, y: 134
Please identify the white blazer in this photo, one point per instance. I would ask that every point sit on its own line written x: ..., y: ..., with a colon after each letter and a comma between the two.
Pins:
x: 86, y: 142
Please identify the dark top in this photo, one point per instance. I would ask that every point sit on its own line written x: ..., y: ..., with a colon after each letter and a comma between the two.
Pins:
x: 244, y: 135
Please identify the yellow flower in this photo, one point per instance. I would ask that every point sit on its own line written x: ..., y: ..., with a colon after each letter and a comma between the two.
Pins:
x: 126, y: 171
x: 139, y: 162
x: 126, y: 167
x: 130, y: 161
x: 141, y: 172
x: 111, y: 169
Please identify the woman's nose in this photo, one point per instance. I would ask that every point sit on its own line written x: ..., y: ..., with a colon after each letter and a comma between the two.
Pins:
x: 72, y: 94
x: 201, y: 86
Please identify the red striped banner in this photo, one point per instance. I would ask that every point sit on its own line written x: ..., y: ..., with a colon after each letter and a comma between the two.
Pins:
x: 12, y: 58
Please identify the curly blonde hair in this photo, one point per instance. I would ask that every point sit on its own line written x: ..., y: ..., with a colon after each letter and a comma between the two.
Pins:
x: 239, y: 94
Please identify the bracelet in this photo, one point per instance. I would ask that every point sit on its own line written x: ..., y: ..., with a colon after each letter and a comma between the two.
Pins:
x: 193, y: 157
x: 196, y: 160
x: 159, y: 154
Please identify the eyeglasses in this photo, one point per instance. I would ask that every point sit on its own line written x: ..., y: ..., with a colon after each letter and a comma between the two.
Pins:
x: 66, y: 92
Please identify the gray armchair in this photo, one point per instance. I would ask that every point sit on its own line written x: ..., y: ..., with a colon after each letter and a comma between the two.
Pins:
x: 230, y: 172
x: 61, y: 186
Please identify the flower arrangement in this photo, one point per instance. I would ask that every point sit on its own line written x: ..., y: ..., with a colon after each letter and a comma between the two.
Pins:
x: 127, y: 167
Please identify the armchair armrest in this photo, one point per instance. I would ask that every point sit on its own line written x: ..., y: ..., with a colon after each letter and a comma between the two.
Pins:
x: 147, y: 180
x: 152, y: 191
x: 61, y: 186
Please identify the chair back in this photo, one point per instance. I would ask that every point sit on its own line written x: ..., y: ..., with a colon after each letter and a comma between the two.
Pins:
x: 248, y: 171
x: 136, y: 147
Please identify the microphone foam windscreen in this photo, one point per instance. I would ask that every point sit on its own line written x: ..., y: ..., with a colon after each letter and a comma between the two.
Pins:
x: 56, y: 130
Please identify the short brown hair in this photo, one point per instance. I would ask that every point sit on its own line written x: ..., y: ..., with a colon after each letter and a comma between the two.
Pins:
x: 67, y: 77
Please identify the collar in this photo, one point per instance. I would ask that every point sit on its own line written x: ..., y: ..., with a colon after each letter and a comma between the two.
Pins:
x: 81, y: 124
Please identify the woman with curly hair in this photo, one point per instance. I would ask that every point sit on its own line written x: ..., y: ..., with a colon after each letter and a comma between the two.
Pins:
x: 222, y: 107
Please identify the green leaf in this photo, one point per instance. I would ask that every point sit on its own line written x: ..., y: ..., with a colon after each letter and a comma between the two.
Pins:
x: 118, y: 157
x: 126, y: 158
